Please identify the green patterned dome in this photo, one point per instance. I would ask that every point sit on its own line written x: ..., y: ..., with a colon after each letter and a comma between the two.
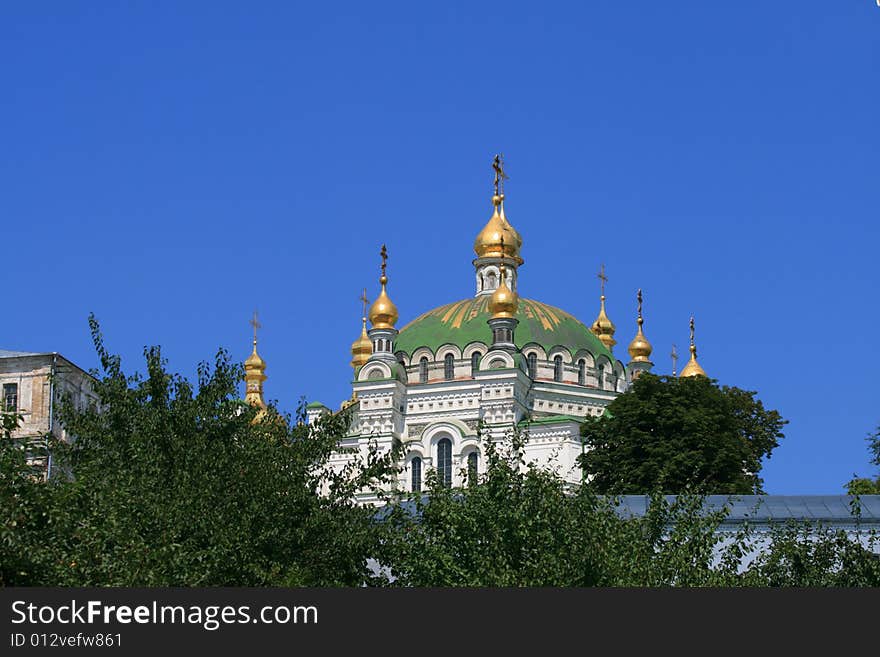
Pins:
x: 465, y: 321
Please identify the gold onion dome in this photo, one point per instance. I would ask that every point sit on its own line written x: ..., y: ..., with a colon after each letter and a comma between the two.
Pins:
x: 640, y: 349
x: 383, y: 312
x: 362, y: 348
x: 498, y: 238
x: 603, y: 328
x: 254, y: 362
x: 254, y: 373
x: 693, y: 367
x: 504, y: 301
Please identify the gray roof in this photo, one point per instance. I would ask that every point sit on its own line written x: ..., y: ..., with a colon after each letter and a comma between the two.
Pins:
x: 5, y: 353
x: 765, y: 509
x: 760, y: 510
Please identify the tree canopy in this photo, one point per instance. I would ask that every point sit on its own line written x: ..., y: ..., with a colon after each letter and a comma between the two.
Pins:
x: 673, y: 434
x: 864, y: 485
x: 176, y: 484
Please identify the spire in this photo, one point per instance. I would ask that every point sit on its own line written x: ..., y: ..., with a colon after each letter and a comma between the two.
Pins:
x: 693, y: 367
x: 603, y: 328
x: 362, y: 347
x: 383, y: 312
x: 254, y: 371
x: 640, y: 349
x: 674, y: 356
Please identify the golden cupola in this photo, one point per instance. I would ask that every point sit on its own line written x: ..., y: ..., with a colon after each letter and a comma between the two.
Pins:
x: 640, y: 349
x: 383, y: 312
x: 603, y: 328
x: 504, y: 302
x: 496, y: 232
x: 254, y: 373
x: 362, y: 348
x: 498, y: 239
x: 693, y: 367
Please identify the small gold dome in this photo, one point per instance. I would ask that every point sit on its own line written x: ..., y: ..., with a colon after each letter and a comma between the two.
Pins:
x: 603, y: 328
x: 383, y: 312
x: 254, y: 375
x: 504, y: 301
x: 254, y: 361
x: 498, y: 238
x: 362, y: 348
x: 693, y: 367
x: 640, y: 349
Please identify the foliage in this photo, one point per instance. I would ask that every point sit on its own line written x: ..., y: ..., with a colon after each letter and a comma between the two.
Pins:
x: 522, y: 525
x: 863, y: 485
x: 177, y: 485
x: 674, y: 434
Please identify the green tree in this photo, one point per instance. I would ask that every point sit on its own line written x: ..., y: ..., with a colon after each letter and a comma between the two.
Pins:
x: 673, y: 434
x: 863, y: 485
x: 522, y: 525
x: 179, y: 485
x: 24, y: 506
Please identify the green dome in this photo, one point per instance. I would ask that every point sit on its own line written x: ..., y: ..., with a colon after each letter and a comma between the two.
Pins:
x: 465, y: 321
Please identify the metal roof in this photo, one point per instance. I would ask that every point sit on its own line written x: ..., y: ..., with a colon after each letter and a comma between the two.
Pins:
x: 765, y: 509
x: 757, y: 509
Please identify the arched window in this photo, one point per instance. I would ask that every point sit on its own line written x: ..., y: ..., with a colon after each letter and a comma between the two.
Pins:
x: 475, y: 362
x: 423, y: 369
x: 491, y: 281
x: 473, y: 460
x: 582, y: 372
x: 532, y: 360
x: 449, y: 367
x: 600, y: 376
x: 444, y: 461
x: 557, y: 368
x: 416, y: 466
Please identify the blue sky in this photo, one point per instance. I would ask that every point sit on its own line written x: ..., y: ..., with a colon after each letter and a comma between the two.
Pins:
x: 172, y: 166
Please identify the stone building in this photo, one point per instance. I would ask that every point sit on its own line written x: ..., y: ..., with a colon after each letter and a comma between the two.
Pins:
x: 493, y: 360
x: 32, y: 385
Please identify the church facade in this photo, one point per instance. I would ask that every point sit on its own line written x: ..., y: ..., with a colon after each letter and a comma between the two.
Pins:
x: 482, y: 367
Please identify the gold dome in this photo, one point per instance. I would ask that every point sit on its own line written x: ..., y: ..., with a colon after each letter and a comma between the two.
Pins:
x: 504, y: 301
x: 693, y: 367
x: 498, y: 238
x: 640, y: 349
x: 362, y: 348
x: 603, y: 328
x: 254, y: 373
x: 383, y: 312
x: 254, y: 361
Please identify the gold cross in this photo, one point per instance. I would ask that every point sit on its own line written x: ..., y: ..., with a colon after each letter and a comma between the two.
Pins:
x: 639, y: 296
x: 500, y: 176
x: 674, y: 356
x: 256, y: 326
x: 365, y: 300
x: 384, y: 254
x: 603, y: 278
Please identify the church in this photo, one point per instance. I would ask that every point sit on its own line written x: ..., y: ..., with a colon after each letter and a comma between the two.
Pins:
x: 487, y: 364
